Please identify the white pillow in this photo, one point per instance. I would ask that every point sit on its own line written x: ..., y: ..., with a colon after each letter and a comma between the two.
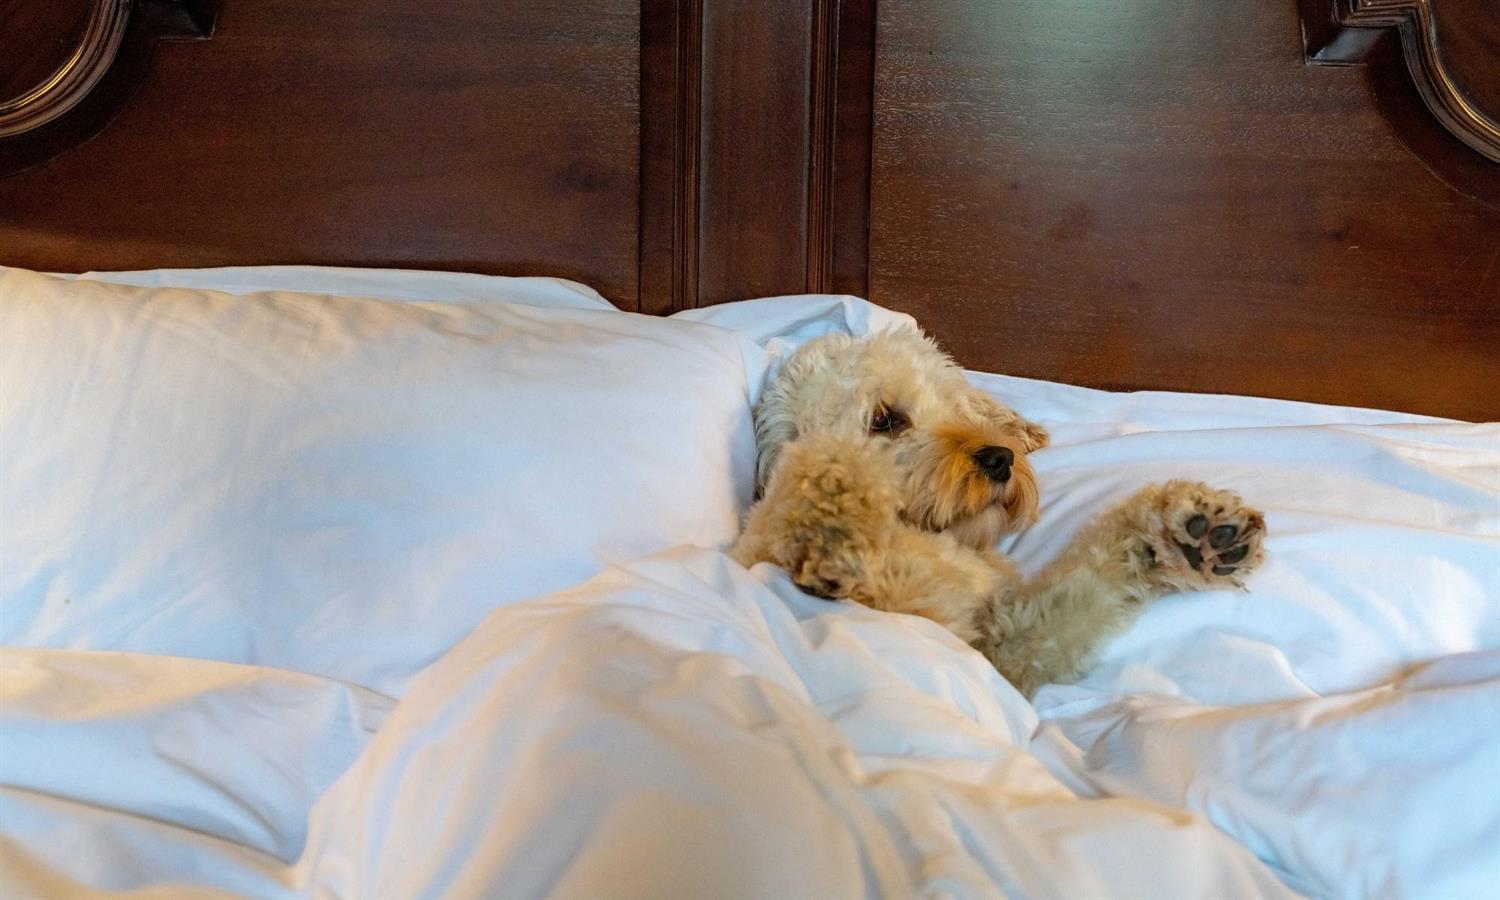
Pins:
x: 338, y: 485
x: 387, y: 284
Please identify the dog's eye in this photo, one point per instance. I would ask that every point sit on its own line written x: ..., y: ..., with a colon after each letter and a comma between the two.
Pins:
x: 887, y: 421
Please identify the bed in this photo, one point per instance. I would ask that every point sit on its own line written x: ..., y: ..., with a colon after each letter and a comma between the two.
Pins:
x: 363, y: 502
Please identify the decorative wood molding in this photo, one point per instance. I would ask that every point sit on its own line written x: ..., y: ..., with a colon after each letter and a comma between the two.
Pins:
x: 77, y: 75
x: 839, y: 158
x: 823, y: 107
x: 754, y: 185
x: 853, y: 148
x: 89, y: 89
x: 671, y: 89
x: 1344, y: 32
x: 689, y: 133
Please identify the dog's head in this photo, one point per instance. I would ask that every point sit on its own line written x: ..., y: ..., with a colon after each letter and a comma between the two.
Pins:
x: 959, y: 457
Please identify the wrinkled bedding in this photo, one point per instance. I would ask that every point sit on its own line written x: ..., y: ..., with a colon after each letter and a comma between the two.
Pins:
x: 677, y: 725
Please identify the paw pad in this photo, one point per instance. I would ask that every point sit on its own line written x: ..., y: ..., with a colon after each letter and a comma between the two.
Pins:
x: 1211, y: 538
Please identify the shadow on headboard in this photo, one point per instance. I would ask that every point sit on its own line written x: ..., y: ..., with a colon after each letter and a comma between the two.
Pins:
x: 1162, y: 194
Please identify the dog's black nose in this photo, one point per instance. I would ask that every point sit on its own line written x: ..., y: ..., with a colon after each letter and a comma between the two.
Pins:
x: 995, y: 462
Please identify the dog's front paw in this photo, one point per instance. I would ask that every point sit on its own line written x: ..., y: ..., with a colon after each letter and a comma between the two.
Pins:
x: 829, y: 505
x: 1198, y: 538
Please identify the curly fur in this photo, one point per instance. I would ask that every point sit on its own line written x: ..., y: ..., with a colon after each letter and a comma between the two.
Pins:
x: 832, y: 386
x: 903, y: 518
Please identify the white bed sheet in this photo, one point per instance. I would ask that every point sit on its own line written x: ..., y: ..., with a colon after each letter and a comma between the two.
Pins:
x: 683, y: 728
x: 336, y: 484
x: 679, y: 725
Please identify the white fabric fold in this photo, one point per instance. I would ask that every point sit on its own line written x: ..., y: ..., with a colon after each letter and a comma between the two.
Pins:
x: 682, y: 727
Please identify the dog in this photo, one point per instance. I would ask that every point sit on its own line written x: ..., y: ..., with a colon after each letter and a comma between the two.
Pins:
x: 884, y: 477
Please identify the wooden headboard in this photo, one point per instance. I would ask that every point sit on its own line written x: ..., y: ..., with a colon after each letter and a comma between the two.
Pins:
x: 1293, y: 198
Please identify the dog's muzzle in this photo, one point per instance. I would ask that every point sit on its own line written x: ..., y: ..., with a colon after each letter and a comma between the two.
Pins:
x: 995, y: 462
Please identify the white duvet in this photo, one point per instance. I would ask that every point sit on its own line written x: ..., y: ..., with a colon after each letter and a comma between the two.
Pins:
x: 679, y: 726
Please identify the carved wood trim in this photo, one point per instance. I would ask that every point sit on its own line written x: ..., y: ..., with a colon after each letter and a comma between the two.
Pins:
x: 72, y: 81
x: 671, y: 89
x: 86, y: 93
x: 853, y: 148
x: 1345, y: 31
x: 687, y: 187
x: 754, y: 185
x: 839, y: 160
x: 820, y: 156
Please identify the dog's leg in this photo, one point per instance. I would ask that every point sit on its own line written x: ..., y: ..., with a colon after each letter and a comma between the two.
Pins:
x: 829, y: 517
x: 1177, y: 536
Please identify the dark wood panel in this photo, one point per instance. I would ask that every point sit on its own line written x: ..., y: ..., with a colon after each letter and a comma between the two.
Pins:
x: 476, y: 136
x: 1158, y: 194
x: 671, y: 82
x: 853, y: 117
x: 755, y: 118
x: 773, y: 116
x: 492, y: 137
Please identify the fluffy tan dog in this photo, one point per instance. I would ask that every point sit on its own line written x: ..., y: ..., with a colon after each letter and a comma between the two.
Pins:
x: 886, y: 478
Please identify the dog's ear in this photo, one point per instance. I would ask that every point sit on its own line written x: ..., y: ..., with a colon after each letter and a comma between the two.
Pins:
x: 769, y: 443
x: 774, y: 429
x: 1028, y: 434
x: 1033, y: 436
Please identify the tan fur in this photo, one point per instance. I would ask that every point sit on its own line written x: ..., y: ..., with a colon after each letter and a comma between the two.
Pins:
x: 905, y: 521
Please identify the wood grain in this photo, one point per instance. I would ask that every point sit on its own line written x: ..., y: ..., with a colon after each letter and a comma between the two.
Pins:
x: 822, y: 144
x: 756, y: 125
x: 753, y: 217
x: 854, y: 119
x: 1152, y: 194
x: 471, y: 135
x: 671, y: 82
